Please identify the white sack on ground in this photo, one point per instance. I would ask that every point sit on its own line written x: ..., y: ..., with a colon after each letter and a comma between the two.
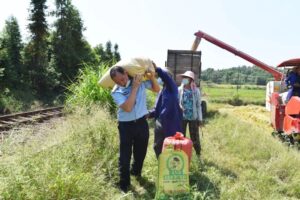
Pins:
x: 133, y: 66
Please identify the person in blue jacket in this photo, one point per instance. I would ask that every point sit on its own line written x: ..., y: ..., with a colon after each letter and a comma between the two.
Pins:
x: 167, y: 112
x: 293, y: 81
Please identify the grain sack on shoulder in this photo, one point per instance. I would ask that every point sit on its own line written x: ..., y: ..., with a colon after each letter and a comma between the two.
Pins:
x: 133, y: 66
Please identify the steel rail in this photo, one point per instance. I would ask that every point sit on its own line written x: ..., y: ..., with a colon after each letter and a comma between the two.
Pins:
x: 9, y: 121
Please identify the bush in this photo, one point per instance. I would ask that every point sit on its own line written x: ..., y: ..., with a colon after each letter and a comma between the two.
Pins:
x: 9, y: 104
x: 20, y: 99
x: 86, y: 90
x: 235, y: 101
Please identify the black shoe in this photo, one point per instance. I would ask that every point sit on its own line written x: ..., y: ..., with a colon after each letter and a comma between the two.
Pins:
x: 124, y: 188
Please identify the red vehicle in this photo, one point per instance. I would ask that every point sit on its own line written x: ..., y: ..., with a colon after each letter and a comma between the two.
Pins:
x: 285, y: 117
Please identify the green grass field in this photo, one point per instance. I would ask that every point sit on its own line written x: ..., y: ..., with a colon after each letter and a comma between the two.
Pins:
x: 77, y: 159
x: 229, y: 94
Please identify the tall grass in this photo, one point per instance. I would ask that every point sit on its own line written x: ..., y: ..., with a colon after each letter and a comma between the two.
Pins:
x: 75, y: 160
x: 86, y: 90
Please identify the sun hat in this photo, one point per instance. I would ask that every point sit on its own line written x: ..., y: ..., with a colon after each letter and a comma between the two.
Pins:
x: 189, y: 74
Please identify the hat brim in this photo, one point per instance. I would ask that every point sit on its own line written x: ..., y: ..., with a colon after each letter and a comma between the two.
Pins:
x: 184, y: 75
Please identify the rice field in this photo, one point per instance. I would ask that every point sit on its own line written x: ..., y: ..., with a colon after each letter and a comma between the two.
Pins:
x: 231, y: 93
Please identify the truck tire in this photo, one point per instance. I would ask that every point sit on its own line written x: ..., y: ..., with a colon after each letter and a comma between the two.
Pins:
x: 204, y: 109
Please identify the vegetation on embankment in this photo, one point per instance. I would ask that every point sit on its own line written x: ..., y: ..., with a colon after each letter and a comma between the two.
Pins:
x: 77, y: 159
x: 86, y: 91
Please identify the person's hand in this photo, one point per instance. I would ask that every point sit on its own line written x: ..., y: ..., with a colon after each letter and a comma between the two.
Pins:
x: 136, y: 81
x: 150, y: 74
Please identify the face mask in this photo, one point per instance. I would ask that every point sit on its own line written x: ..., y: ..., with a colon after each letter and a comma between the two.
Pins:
x: 185, y: 81
x: 127, y: 84
x: 159, y: 81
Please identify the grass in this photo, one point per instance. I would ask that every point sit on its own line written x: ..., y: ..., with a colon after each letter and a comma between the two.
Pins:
x: 77, y: 159
x: 86, y: 91
x: 246, y: 162
x: 73, y: 160
x: 230, y: 94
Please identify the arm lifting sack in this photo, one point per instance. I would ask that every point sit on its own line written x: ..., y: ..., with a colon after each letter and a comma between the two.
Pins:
x: 133, y: 66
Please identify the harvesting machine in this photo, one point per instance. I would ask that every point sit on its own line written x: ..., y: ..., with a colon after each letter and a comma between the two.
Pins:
x: 285, y: 117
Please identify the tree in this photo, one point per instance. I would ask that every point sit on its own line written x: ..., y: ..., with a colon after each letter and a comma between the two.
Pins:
x: 237, y: 75
x: 116, y: 54
x: 1, y: 81
x: 108, y: 50
x: 3, y: 63
x: 107, y: 55
x: 70, y: 50
x: 100, y: 52
x: 260, y: 81
x: 40, y: 75
x: 11, y: 47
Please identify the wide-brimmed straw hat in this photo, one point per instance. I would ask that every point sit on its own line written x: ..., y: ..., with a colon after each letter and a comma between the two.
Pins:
x: 189, y: 74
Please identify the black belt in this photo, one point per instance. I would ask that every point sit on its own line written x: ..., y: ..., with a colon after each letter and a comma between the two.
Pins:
x: 134, y: 121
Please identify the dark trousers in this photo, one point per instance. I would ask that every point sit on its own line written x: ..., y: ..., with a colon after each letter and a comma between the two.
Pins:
x: 159, y: 137
x: 194, y: 133
x: 134, y: 138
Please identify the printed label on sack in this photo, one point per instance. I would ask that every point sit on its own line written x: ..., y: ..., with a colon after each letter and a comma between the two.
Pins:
x: 173, y: 172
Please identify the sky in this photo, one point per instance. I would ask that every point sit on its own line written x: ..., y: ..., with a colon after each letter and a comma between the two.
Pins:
x: 265, y: 29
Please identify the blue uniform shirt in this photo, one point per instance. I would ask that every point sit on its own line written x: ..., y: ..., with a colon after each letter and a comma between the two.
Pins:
x: 120, y: 95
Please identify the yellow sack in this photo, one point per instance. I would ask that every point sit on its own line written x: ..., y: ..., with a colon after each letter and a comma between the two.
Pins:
x: 133, y: 66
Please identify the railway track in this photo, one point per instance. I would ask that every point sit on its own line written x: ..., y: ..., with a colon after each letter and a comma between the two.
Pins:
x: 12, y: 120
